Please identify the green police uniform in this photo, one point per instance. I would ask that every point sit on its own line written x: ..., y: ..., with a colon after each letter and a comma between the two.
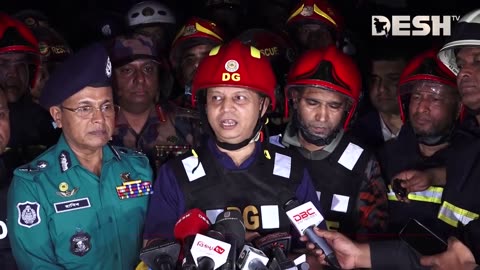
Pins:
x: 62, y: 216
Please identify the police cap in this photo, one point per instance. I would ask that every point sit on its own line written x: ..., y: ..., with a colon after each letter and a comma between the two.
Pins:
x: 88, y: 67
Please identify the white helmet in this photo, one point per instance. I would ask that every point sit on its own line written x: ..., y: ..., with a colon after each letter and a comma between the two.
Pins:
x: 149, y: 12
x: 465, y: 33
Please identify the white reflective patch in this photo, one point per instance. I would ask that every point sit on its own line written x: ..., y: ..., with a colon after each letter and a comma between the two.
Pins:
x: 319, y: 194
x: 193, y: 172
x: 213, y: 214
x: 300, y: 259
x: 283, y: 165
x: 270, y: 217
x: 340, y: 203
x: 350, y: 156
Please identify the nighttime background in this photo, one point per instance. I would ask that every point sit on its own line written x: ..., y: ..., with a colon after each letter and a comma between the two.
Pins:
x: 76, y: 18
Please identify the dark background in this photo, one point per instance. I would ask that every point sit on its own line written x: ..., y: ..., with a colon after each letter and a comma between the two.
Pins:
x: 73, y: 17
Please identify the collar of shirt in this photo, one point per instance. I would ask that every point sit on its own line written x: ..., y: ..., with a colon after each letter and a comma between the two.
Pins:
x: 288, y: 140
x: 386, y: 132
x: 63, y: 147
x: 227, y: 161
x: 122, y: 120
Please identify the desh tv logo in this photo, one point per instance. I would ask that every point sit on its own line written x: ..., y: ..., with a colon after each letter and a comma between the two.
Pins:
x: 405, y: 25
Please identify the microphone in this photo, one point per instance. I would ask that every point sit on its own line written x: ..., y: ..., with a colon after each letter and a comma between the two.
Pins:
x: 230, y: 224
x: 277, y: 247
x: 305, y: 217
x: 252, y: 259
x: 209, y: 253
x: 192, y: 222
x: 160, y: 254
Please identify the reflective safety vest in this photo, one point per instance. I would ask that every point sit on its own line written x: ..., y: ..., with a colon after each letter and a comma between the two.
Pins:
x: 208, y: 185
x: 431, y: 195
x: 453, y: 215
x: 337, y: 180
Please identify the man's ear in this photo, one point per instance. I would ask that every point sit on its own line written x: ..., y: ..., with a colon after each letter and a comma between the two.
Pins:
x: 264, y: 105
x: 56, y: 113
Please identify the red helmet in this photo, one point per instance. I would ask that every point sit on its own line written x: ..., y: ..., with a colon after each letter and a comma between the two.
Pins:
x: 316, y: 11
x: 195, y: 32
x: 424, y: 67
x: 329, y: 69
x: 236, y: 65
x: 16, y: 37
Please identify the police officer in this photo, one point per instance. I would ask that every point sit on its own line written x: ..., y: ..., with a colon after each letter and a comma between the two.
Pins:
x: 82, y: 203
x: 430, y: 106
x: 147, y: 122
x: 192, y: 43
x: 324, y: 86
x: 233, y: 87
x: 31, y: 126
x: 6, y: 259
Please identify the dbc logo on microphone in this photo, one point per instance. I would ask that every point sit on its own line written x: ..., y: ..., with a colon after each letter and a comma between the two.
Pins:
x: 304, y: 215
x: 406, y: 25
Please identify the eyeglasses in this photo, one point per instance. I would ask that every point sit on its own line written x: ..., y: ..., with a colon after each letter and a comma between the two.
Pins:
x: 108, y: 110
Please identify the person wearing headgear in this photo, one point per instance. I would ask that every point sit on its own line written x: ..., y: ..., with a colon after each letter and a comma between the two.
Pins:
x: 52, y: 46
x: 32, y: 128
x: 233, y: 88
x: 430, y: 107
x: 228, y: 14
x: 7, y: 262
x: 323, y: 86
x: 278, y: 49
x: 460, y: 205
x: 314, y: 24
x: 148, y: 121
x: 153, y: 19
x: 191, y: 44
x: 82, y: 203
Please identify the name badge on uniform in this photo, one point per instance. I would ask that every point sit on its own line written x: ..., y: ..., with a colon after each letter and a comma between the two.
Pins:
x: 72, y: 205
x: 133, y: 188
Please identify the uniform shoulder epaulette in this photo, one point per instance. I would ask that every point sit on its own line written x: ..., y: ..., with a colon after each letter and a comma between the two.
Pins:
x: 34, y: 167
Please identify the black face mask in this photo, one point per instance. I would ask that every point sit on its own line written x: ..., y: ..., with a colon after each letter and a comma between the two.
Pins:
x: 309, y: 137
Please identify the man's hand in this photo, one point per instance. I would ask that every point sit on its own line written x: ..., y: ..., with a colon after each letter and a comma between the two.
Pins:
x: 349, y: 254
x: 457, y: 256
x: 415, y: 180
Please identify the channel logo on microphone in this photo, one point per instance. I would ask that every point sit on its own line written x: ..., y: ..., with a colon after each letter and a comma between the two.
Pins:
x: 219, y: 249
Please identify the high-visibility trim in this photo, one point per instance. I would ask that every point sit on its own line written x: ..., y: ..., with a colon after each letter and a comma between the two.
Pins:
x: 332, y: 225
x: 430, y: 195
x: 452, y: 214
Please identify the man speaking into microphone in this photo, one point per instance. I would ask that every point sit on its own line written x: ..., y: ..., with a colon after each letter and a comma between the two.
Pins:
x: 234, y: 169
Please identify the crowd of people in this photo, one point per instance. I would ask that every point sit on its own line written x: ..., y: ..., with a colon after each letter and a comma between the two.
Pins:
x: 105, y: 149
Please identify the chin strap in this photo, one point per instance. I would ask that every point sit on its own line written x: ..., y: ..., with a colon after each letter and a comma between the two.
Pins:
x: 310, y: 138
x: 433, y: 140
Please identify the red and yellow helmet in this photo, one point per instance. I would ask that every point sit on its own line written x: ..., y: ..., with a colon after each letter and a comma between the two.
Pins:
x: 237, y: 65
x: 424, y: 67
x: 328, y: 69
x: 16, y: 37
x: 195, y: 32
x: 316, y: 12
